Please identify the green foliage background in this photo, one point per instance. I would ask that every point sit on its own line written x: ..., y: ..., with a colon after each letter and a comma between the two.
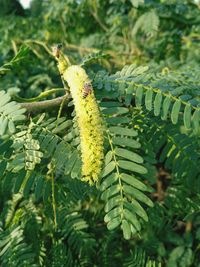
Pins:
x: 143, y: 59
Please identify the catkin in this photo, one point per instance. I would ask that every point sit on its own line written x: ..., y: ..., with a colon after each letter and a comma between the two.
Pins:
x: 89, y: 123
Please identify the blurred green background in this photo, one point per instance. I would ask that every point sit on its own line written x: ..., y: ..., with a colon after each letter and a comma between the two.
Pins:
x: 160, y: 32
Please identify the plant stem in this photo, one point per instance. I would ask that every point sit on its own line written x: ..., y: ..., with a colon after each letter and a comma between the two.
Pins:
x: 40, y: 96
x: 46, y: 104
x: 54, y: 201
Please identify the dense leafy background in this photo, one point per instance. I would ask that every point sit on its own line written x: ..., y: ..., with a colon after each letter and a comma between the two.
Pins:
x: 146, y: 79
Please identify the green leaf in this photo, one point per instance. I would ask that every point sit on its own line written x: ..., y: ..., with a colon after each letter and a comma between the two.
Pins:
x: 157, y: 103
x: 126, y: 229
x: 166, y: 105
x: 3, y: 125
x: 62, y: 126
x: 108, y: 157
x: 118, y: 120
x: 39, y: 187
x: 132, y: 219
x: 135, y: 207
x: 165, y: 151
x: 108, y: 181
x: 70, y: 163
x: 3, y: 165
x: 133, y: 181
x: 148, y: 22
x: 131, y: 166
x: 126, y: 142
x: 76, y: 170
x: 148, y: 99
x: 128, y: 155
x: 136, y: 3
x: 11, y: 126
x: 18, y: 117
x: 108, y: 169
x: 19, y: 180
x: 47, y: 190
x: 110, y: 104
x: 112, y: 214
x: 175, y: 111
x: 115, y: 110
x: 138, y: 96
x: 18, y: 163
x: 187, y: 116
x: 123, y: 131
x: 4, y: 98
x: 114, y: 223
x: 127, y: 70
x: 10, y: 111
x: 111, y: 191
x: 7, y: 182
x: 28, y: 185
x: 112, y: 202
x: 138, y: 195
x: 5, y: 146
x: 196, y: 119
x: 130, y: 91
x: 128, y: 99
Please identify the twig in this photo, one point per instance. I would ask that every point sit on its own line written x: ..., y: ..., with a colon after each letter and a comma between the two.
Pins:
x: 39, y: 97
x: 39, y: 43
x: 46, y: 104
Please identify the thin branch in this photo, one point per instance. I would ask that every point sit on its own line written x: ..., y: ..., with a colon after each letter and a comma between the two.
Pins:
x: 98, y: 20
x: 46, y: 104
x: 39, y: 97
x: 46, y: 48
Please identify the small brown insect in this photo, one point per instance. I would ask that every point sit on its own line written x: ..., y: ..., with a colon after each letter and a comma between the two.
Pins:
x: 87, y: 89
x: 56, y: 50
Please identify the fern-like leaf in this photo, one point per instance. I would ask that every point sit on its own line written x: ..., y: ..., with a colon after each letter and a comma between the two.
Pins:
x: 148, y: 23
x: 10, y: 113
x: 122, y: 190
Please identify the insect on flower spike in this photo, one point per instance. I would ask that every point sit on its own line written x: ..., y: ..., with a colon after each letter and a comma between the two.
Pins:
x: 89, y: 122
x: 63, y: 61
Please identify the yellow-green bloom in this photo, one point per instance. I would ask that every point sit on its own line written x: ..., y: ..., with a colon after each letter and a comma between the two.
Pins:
x: 89, y: 122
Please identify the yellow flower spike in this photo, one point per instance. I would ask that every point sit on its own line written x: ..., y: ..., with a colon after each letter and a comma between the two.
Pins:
x: 89, y: 122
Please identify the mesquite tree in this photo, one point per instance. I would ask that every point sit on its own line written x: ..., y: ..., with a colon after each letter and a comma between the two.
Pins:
x: 99, y: 150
